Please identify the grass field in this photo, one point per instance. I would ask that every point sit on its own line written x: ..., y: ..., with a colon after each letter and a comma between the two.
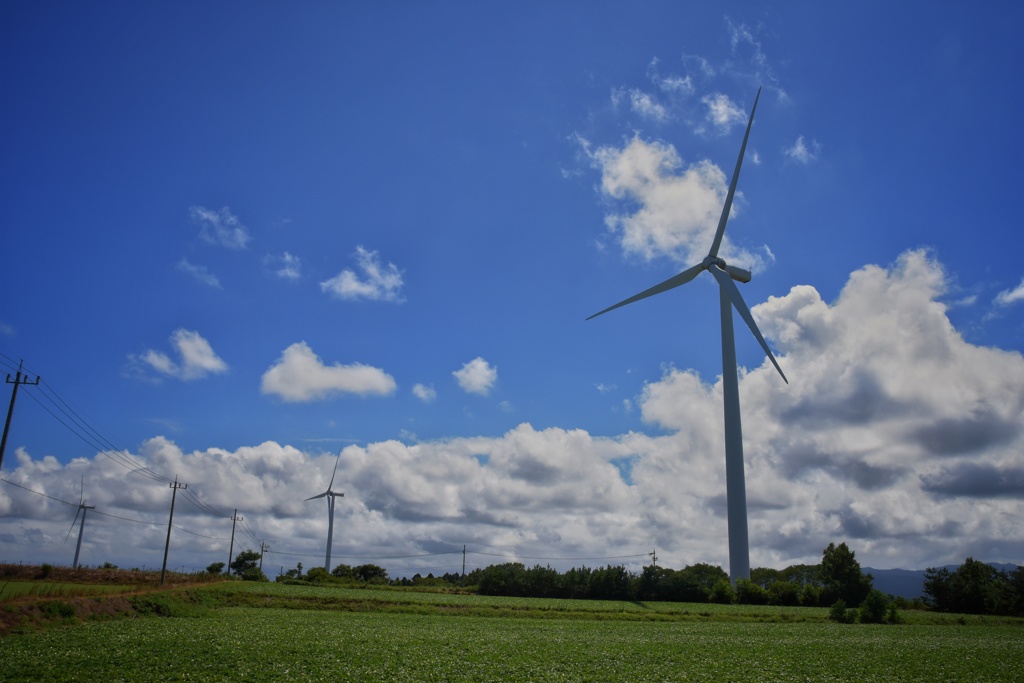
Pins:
x: 54, y: 589
x: 331, y: 634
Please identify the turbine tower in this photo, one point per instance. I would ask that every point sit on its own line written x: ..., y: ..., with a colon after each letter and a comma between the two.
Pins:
x: 729, y: 297
x: 83, y: 509
x: 330, y: 495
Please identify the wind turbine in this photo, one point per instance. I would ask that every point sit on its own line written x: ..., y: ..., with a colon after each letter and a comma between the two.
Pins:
x: 729, y: 296
x: 83, y: 509
x: 330, y: 495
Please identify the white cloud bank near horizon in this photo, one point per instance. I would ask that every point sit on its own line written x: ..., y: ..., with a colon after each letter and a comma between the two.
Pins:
x: 896, y: 436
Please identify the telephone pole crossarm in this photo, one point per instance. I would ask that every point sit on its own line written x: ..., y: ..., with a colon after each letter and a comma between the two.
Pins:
x: 17, y: 382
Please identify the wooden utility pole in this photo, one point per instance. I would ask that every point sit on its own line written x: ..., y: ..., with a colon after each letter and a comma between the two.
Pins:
x: 263, y: 549
x: 167, y: 546
x: 18, y: 381
x: 231, y: 549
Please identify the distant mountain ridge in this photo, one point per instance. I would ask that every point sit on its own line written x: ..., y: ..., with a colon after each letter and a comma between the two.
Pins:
x: 909, y: 583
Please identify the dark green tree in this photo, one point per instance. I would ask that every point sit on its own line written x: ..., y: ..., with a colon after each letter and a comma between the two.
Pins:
x: 974, y: 588
x: 244, y: 561
x: 750, y: 593
x: 873, y: 608
x: 697, y: 581
x: 722, y: 592
x: 765, y: 576
x: 215, y: 568
x: 841, y: 576
x: 342, y: 571
x: 371, y: 573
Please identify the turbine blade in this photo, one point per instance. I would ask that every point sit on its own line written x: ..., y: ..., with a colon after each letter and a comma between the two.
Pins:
x: 737, y: 301
x: 674, y: 281
x: 315, y: 497
x: 335, y: 469
x: 720, y: 232
x: 73, y: 524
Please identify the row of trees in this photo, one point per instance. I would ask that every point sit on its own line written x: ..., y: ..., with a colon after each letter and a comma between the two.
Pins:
x: 838, y: 577
x: 975, y: 588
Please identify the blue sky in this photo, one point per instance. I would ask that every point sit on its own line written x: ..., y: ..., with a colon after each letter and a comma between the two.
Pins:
x: 238, y: 238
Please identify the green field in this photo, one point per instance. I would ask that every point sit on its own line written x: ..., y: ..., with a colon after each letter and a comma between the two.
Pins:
x: 330, y: 634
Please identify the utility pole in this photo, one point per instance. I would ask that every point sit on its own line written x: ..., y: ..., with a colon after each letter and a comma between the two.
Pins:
x: 167, y: 546
x: 263, y: 549
x: 654, y: 557
x: 463, y: 564
x: 231, y: 549
x: 18, y: 381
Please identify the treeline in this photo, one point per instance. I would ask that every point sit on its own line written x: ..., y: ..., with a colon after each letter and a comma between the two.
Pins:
x: 838, y: 577
x: 975, y: 588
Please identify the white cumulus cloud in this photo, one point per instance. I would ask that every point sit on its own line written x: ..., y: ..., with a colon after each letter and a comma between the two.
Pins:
x: 672, y: 209
x: 424, y: 393
x: 375, y: 281
x: 196, y: 358
x: 300, y: 376
x: 477, y: 376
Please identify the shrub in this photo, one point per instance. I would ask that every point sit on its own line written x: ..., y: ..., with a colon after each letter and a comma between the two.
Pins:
x: 215, y: 568
x: 839, y: 614
x: 892, y: 614
x: 750, y: 593
x: 254, y: 574
x: 872, y: 609
x: 57, y: 609
x: 722, y: 592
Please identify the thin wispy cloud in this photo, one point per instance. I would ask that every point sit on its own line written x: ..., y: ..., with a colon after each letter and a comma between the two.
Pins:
x: 221, y: 228
x: 195, y: 358
x: 286, y: 266
x: 299, y: 376
x: 643, y: 104
x: 373, y: 281
x: 1010, y: 296
x: 803, y: 152
x: 200, y: 274
x: 722, y: 112
x: 477, y: 376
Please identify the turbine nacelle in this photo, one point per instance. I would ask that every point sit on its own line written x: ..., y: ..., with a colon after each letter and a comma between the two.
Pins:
x: 735, y: 272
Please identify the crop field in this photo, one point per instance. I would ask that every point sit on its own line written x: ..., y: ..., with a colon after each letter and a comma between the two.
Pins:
x: 351, y: 640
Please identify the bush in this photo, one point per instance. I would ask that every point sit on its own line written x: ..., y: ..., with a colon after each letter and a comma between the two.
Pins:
x: 318, y: 576
x: 785, y: 593
x: 839, y: 614
x: 57, y: 609
x: 215, y: 568
x: 750, y: 593
x: 722, y: 592
x: 254, y: 574
x: 872, y: 609
x: 892, y: 614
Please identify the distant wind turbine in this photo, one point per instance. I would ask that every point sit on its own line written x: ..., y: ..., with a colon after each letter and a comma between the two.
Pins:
x: 729, y: 296
x: 83, y: 509
x: 330, y: 495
